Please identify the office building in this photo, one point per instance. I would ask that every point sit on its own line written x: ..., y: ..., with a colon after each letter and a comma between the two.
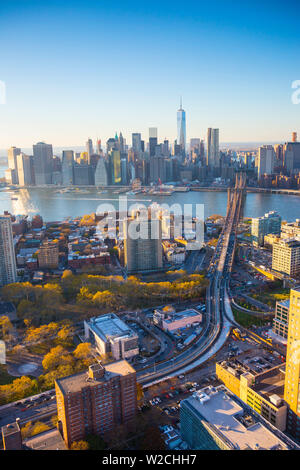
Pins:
x: 11, y: 176
x: 143, y: 250
x: 115, y: 166
x: 213, y: 151
x: 24, y: 169
x: 170, y: 320
x: 136, y: 143
x: 266, y: 161
x: 89, y: 148
x: 96, y: 402
x: 292, y: 368
x: 261, y: 226
x: 112, y: 336
x: 286, y: 256
x: 281, y: 319
x: 213, y: 419
x: 101, y: 174
x: 8, y: 270
x: 12, y: 154
x: 67, y: 167
x: 42, y: 161
x: 181, y: 128
x: 83, y: 174
x: 48, y: 255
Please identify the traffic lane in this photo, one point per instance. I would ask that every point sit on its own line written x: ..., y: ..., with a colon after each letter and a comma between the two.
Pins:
x: 12, y: 413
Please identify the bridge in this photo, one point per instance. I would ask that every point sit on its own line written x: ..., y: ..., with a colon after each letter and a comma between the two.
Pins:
x: 219, y: 320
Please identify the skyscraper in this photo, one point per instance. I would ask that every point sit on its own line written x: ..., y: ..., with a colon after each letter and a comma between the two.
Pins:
x: 67, y: 167
x: 181, y: 128
x: 24, y: 169
x: 42, y: 160
x: 145, y: 252
x: 292, y: 368
x: 213, y: 152
x: 12, y: 154
x: 89, y: 148
x: 8, y: 270
x: 101, y: 176
x: 136, y: 143
x: 265, y: 161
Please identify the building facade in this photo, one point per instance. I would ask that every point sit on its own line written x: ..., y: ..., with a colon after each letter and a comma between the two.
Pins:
x: 8, y: 269
x: 96, y: 402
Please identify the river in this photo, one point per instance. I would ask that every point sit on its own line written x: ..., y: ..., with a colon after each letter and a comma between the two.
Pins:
x: 52, y: 205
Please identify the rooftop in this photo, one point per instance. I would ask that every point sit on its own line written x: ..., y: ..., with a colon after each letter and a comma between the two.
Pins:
x: 10, y: 428
x: 109, y: 326
x: 233, y: 424
x: 49, y: 440
x: 74, y: 383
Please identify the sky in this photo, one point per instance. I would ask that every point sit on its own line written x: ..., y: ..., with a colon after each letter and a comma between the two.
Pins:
x: 79, y: 69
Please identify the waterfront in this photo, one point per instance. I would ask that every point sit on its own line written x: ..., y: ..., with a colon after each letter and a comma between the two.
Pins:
x: 52, y: 205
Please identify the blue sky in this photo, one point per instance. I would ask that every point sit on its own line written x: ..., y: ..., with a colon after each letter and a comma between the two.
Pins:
x: 78, y: 69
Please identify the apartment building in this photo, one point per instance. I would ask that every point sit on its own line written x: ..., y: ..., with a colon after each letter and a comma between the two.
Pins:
x: 286, y: 256
x: 281, y: 319
x: 97, y: 401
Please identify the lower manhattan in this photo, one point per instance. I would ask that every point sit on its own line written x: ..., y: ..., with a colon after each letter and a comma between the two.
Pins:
x: 149, y: 231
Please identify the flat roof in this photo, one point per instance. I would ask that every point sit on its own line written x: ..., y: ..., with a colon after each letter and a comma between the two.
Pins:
x: 48, y: 440
x: 74, y: 383
x: 10, y: 428
x: 110, y: 326
x: 231, y: 421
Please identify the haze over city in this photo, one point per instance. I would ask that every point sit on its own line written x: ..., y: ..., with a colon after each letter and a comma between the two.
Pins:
x: 101, y: 67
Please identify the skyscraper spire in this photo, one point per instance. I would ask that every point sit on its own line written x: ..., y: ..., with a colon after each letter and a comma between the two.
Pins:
x: 180, y: 102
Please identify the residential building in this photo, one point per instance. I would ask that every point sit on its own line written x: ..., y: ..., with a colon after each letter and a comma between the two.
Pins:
x: 112, y: 336
x: 261, y: 226
x: 292, y: 368
x: 48, y: 255
x: 8, y: 269
x: 12, y: 154
x: 286, y: 256
x: 266, y: 161
x: 213, y: 419
x: 142, y: 244
x: 281, y: 319
x: 96, y: 402
x: 213, y: 151
x: 257, y: 383
x: 11, y: 435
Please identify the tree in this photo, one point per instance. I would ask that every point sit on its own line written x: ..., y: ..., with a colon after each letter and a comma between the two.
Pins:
x: 79, y: 445
x: 5, y: 325
x: 56, y: 357
x: 84, y: 353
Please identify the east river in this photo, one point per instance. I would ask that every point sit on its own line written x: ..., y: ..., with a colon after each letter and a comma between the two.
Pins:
x: 53, y: 205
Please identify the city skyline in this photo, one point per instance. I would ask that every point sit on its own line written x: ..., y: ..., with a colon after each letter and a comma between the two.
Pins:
x: 66, y: 86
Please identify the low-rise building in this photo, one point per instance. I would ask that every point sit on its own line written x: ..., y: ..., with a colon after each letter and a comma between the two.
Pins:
x: 170, y: 320
x: 112, y: 336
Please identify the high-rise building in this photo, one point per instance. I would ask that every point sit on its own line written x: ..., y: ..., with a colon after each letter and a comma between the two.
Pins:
x: 115, y: 166
x: 89, y: 148
x: 67, y: 167
x: 213, y: 151
x: 261, y: 226
x: 48, y: 254
x: 143, y: 250
x: 12, y: 154
x: 291, y: 157
x: 281, y: 319
x: 266, y: 161
x: 101, y: 175
x: 96, y: 402
x: 292, y: 367
x: 136, y: 143
x: 294, y: 137
x: 42, y: 160
x: 24, y: 169
x: 286, y: 256
x: 181, y: 128
x: 8, y: 270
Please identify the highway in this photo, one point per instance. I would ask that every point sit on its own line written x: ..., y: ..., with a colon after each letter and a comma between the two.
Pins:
x: 219, y: 322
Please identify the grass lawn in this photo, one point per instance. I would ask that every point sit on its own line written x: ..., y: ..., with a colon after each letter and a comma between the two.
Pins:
x: 271, y: 296
x: 246, y: 320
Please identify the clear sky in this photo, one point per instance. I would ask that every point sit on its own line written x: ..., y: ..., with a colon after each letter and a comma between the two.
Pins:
x: 79, y: 69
